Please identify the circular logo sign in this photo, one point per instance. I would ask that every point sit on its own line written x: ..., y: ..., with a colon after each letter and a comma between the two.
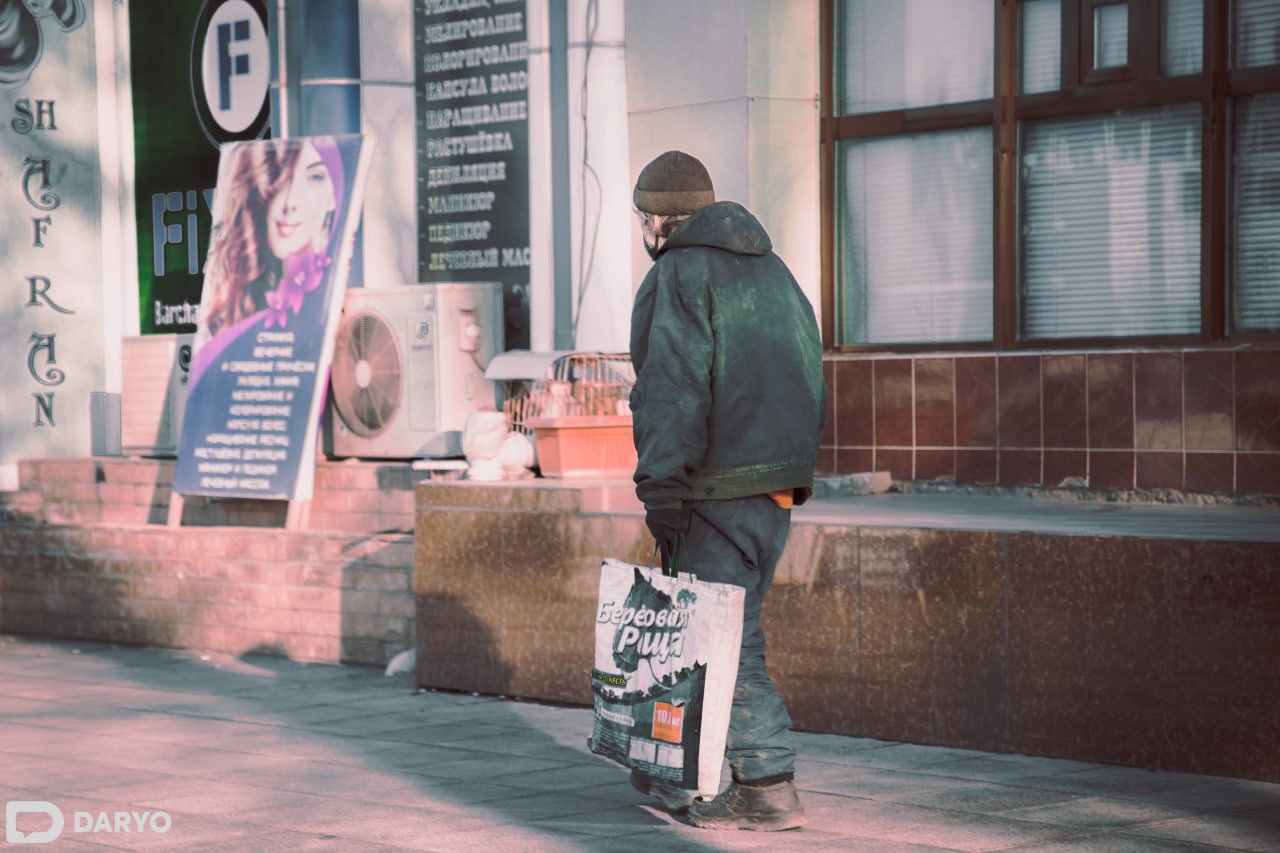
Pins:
x: 231, y: 70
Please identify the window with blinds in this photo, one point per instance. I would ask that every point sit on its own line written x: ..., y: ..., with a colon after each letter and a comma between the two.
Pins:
x: 1109, y: 204
x: 915, y: 247
x: 1086, y: 207
x: 915, y: 53
x: 1255, y: 33
x: 1182, y: 45
x: 1111, y: 224
x: 1255, y: 43
x: 1041, y: 23
x: 1256, y: 211
x: 915, y: 240
x: 1110, y: 36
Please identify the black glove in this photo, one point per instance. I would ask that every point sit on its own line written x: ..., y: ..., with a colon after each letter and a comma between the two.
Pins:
x: 667, y: 525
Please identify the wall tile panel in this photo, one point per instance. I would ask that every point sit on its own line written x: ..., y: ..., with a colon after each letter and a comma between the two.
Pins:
x: 1156, y: 470
x: 1258, y: 400
x: 1063, y: 468
x: 1209, y: 392
x: 976, y: 466
x: 899, y: 463
x: 1020, y: 467
x: 976, y: 402
x: 1065, y: 401
x: 1157, y: 383
x: 935, y: 403
x: 829, y: 428
x: 1111, y: 469
x: 1213, y: 473
x: 855, y: 460
x: 1110, y: 400
x: 935, y: 465
x: 893, y: 403
x: 854, y: 403
x: 1019, y: 401
x: 827, y: 463
x: 1258, y: 473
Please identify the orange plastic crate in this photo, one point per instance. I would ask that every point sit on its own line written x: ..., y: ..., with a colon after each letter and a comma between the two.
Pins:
x: 584, y: 445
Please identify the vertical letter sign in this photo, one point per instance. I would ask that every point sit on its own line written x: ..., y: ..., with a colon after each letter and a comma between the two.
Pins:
x: 52, y: 328
x: 472, y: 86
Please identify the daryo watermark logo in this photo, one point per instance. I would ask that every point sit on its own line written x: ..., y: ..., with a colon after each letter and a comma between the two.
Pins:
x: 41, y: 822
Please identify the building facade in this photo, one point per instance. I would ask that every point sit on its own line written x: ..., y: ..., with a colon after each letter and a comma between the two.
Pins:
x: 1038, y: 233
x: 1049, y: 239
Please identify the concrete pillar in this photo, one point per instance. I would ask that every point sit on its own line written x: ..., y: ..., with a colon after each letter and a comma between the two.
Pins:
x: 734, y: 83
x: 580, y: 294
x: 601, y: 224
x: 388, y: 115
x: 542, y: 245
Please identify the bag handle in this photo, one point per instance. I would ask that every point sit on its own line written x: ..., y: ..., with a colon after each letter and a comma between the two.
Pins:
x: 670, y: 563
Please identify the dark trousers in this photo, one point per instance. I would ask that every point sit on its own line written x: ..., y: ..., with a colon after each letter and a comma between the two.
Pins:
x: 739, y: 542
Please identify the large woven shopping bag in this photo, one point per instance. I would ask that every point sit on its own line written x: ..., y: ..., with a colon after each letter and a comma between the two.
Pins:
x: 666, y: 659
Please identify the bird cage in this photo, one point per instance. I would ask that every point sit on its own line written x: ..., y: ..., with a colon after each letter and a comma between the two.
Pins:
x: 575, y: 384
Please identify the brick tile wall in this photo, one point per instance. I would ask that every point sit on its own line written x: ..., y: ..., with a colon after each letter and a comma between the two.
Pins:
x: 1181, y: 420
x: 86, y: 552
x: 231, y: 590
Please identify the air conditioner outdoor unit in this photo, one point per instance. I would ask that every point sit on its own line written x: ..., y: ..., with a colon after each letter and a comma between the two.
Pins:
x: 408, y: 369
x: 154, y: 393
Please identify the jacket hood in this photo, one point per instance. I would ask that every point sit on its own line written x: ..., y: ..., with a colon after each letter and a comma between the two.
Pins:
x: 724, y: 225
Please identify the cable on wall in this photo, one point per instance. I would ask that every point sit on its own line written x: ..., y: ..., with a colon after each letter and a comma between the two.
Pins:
x: 586, y: 258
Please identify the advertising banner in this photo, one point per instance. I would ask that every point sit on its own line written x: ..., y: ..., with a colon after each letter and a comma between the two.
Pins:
x: 472, y: 86
x: 201, y: 73
x: 284, y: 221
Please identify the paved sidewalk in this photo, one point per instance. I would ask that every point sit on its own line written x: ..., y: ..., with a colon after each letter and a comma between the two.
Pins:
x: 264, y: 754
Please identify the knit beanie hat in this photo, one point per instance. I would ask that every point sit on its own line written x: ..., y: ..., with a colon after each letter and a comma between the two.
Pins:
x: 673, y: 183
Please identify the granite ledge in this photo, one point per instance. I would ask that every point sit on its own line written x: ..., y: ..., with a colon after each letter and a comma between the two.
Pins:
x: 992, y: 513
x: 1047, y: 515
x: 585, y: 496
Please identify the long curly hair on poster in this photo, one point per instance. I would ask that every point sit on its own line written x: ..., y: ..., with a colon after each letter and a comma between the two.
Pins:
x: 240, y: 267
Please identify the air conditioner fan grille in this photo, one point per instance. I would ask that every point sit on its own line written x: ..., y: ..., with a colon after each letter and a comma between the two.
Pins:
x: 367, y: 374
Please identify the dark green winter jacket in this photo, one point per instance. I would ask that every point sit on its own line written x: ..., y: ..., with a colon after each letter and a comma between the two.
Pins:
x: 729, y: 399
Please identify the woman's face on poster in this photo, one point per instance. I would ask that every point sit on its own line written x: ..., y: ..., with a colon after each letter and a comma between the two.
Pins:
x: 297, y: 215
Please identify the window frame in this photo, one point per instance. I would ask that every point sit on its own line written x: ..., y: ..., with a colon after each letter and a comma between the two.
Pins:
x: 1083, y: 91
x: 1085, y: 46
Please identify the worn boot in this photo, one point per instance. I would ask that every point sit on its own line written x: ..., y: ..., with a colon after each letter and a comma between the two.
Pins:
x: 674, y: 799
x: 767, y: 808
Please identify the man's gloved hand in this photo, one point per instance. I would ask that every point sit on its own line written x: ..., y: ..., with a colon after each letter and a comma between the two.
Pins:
x: 667, y: 527
x: 667, y: 524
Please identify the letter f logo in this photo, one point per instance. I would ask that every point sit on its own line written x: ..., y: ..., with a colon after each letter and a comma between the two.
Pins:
x: 14, y: 835
x: 231, y: 69
x: 229, y: 65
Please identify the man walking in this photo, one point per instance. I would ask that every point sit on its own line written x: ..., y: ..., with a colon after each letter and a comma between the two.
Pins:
x: 728, y: 409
